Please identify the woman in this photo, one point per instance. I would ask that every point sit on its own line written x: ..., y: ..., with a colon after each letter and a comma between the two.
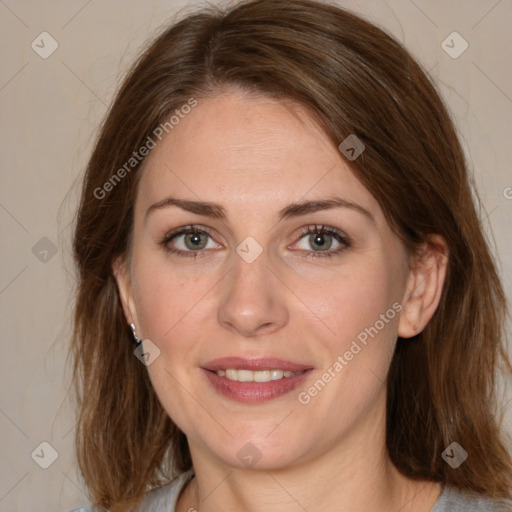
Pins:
x: 278, y: 215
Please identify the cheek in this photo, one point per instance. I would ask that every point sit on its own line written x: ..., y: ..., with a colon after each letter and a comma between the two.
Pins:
x: 354, y: 299
x: 167, y: 298
x: 172, y: 310
x: 361, y: 307
x: 363, y: 312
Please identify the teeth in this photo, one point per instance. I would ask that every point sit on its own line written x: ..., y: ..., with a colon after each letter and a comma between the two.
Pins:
x: 255, y: 376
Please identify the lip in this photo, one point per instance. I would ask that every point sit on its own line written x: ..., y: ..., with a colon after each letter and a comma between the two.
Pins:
x: 266, y: 363
x: 254, y: 392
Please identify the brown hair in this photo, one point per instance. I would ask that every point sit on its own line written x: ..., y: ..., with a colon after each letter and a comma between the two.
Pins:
x: 355, y: 79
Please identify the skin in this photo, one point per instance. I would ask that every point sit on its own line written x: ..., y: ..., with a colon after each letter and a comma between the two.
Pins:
x: 253, y: 156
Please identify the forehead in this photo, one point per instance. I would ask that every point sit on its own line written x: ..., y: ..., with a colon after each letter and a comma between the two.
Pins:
x: 248, y: 151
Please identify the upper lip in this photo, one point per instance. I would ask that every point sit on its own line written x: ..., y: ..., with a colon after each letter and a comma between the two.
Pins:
x: 266, y: 363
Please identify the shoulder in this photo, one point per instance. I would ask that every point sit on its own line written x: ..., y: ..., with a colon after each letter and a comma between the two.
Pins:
x: 162, y: 499
x: 453, y: 499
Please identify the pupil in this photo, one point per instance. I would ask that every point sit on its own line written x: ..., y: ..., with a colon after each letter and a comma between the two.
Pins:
x: 195, y: 239
x: 319, y: 240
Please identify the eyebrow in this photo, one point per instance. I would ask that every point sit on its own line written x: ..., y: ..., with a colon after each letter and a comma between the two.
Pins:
x: 297, y: 209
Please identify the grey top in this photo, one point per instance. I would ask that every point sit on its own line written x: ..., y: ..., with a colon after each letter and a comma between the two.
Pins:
x: 455, y: 500
x: 451, y: 499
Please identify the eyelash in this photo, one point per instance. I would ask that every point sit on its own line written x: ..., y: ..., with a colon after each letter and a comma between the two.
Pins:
x: 310, y: 230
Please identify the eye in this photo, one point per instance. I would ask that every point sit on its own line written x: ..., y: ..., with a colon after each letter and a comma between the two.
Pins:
x: 188, y: 241
x: 322, y: 239
x: 192, y: 241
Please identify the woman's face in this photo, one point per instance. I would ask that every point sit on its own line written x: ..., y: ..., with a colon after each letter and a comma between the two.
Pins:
x: 253, y: 284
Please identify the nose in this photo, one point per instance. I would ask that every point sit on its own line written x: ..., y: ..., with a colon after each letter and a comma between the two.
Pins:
x: 252, y: 300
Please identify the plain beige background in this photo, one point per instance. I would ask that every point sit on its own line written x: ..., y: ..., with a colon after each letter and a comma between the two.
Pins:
x: 51, y: 109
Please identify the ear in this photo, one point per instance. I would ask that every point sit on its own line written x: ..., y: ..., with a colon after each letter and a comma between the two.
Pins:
x: 122, y: 275
x: 424, y: 286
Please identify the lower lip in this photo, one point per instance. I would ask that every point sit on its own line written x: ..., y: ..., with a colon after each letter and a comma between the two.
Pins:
x: 254, y: 392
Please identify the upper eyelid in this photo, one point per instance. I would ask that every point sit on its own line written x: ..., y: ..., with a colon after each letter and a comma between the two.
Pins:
x: 187, y: 229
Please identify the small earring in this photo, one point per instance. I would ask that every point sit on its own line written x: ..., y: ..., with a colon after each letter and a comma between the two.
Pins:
x: 138, y: 340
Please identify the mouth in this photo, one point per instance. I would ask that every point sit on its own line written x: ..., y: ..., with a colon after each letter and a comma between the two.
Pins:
x: 256, y: 376
x: 254, y: 380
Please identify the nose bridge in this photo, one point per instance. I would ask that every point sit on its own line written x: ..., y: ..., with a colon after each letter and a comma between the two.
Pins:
x: 251, y: 302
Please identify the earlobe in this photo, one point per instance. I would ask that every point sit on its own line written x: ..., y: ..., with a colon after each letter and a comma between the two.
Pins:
x: 122, y: 277
x: 424, y: 287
